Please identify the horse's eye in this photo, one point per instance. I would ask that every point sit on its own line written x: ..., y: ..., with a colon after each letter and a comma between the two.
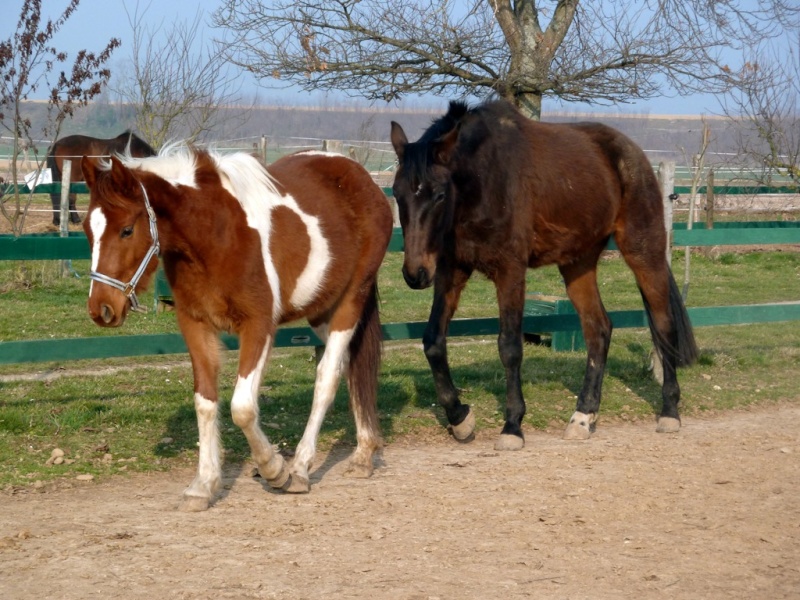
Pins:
x: 126, y: 232
x: 438, y: 197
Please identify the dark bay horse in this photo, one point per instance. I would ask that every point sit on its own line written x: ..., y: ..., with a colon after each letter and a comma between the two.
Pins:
x: 245, y: 249
x: 487, y: 189
x: 74, y: 147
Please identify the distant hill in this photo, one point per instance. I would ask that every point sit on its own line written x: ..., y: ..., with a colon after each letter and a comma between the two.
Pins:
x: 664, y: 137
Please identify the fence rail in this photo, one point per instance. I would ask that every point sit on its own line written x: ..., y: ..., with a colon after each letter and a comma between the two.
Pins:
x: 540, y: 316
x: 52, y: 247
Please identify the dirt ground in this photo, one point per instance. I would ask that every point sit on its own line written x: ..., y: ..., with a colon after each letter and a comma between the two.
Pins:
x: 712, y: 512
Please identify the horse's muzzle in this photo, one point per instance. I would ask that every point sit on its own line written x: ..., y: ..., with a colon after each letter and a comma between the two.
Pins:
x: 106, y: 316
x: 419, y: 280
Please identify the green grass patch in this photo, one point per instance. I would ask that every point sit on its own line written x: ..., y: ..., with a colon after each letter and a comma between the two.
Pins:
x: 121, y: 415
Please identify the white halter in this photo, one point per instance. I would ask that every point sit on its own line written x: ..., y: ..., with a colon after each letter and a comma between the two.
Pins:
x: 129, y: 289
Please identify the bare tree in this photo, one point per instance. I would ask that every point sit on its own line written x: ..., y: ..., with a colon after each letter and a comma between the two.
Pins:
x: 592, y: 51
x: 765, y: 108
x: 30, y: 64
x: 177, y: 83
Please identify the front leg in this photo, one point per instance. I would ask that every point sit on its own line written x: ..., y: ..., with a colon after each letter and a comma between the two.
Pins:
x: 511, y: 300
x: 255, y: 342
x: 447, y: 291
x: 202, y: 342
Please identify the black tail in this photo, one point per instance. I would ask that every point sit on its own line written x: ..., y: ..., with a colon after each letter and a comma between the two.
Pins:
x: 682, y: 347
x: 53, y: 166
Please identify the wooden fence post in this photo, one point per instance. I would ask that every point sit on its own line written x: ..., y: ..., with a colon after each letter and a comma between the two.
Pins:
x: 263, y: 149
x: 66, y: 175
x: 710, y: 200
x: 333, y: 146
x: 666, y: 178
x: 66, y: 171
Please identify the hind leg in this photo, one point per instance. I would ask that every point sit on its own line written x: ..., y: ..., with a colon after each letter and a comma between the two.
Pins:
x: 73, y: 210
x: 581, y: 282
x: 368, y: 441
x: 669, y: 326
x: 362, y: 384
x: 329, y: 372
x: 655, y: 290
x: 55, y: 200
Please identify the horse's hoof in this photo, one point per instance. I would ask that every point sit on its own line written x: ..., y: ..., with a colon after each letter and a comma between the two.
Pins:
x: 668, y: 425
x: 193, y: 504
x: 508, y: 441
x: 297, y: 484
x: 463, y: 432
x: 280, y: 480
x: 580, y: 427
x: 359, y: 471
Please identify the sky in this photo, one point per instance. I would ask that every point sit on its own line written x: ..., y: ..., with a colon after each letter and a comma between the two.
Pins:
x: 96, y: 21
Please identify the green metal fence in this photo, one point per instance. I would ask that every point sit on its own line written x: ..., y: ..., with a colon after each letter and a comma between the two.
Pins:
x: 552, y: 316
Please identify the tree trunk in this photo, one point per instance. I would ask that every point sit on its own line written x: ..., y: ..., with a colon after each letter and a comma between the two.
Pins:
x: 529, y: 104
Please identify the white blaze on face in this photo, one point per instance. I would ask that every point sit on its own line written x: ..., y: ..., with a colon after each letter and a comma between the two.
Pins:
x: 97, y: 223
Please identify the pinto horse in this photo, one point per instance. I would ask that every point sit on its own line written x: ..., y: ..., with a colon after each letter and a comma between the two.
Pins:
x: 73, y: 147
x: 487, y: 189
x: 245, y: 249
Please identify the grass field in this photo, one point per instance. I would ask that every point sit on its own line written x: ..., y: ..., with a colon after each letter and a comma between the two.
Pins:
x: 119, y: 415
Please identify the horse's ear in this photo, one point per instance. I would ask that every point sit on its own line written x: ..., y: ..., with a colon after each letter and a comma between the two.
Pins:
x: 444, y: 146
x: 399, y: 139
x: 89, y: 169
x: 121, y: 177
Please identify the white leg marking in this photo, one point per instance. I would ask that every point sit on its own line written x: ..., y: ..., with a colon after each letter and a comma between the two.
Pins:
x: 209, y: 470
x: 244, y: 410
x: 580, y: 426
x: 329, y: 372
x: 97, y: 223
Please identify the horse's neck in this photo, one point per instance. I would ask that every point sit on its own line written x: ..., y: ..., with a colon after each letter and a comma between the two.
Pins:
x: 180, y: 223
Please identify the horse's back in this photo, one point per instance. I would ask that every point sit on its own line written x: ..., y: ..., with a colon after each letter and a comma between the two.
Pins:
x: 339, y: 191
x: 354, y: 221
x: 572, y: 183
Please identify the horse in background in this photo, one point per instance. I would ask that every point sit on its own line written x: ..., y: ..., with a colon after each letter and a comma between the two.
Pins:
x: 488, y: 190
x: 245, y: 249
x: 74, y: 147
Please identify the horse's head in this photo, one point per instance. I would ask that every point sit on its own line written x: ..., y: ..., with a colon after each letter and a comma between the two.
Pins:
x: 424, y: 194
x: 138, y: 147
x: 120, y: 225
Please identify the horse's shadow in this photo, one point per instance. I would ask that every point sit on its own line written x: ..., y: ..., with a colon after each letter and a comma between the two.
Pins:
x: 181, y: 433
x: 565, y: 368
x: 479, y: 377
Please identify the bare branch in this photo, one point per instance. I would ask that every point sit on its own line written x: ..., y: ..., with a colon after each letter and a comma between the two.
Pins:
x: 585, y: 51
x: 177, y: 82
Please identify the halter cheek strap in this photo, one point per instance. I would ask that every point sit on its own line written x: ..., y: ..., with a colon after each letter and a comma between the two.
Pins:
x: 129, y: 289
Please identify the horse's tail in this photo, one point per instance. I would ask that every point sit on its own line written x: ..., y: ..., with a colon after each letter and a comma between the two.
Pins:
x: 55, y: 172
x: 362, y: 377
x: 682, y: 347
x: 52, y: 164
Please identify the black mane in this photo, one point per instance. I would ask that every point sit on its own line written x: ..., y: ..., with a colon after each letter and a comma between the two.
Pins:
x: 417, y: 157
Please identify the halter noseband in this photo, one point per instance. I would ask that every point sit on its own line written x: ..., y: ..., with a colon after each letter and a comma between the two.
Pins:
x: 129, y: 289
